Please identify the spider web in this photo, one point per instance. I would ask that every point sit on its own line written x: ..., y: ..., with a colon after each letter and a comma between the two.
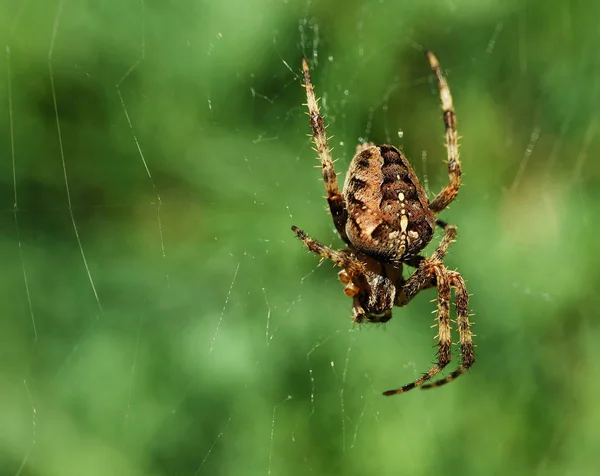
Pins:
x: 161, y: 318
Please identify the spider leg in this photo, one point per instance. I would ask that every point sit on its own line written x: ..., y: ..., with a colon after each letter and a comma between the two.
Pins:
x: 449, y: 238
x: 336, y: 202
x: 464, y: 329
x: 342, y: 259
x: 449, y: 192
x: 443, y: 321
x: 432, y: 272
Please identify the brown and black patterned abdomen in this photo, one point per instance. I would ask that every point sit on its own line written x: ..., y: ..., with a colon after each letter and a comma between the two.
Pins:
x: 388, y: 213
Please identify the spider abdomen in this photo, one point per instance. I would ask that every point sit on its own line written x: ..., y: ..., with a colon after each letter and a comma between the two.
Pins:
x: 388, y: 212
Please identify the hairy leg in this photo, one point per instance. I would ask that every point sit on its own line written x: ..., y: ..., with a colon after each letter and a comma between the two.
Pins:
x: 431, y: 272
x: 334, y: 198
x: 443, y: 336
x: 464, y: 330
x: 343, y: 259
x: 443, y: 199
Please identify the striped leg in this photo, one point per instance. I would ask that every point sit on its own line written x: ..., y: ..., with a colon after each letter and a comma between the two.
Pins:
x: 464, y: 330
x: 334, y: 198
x: 342, y: 259
x: 443, y: 322
x: 443, y: 199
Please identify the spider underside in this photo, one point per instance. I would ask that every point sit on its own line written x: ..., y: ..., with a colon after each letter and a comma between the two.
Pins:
x: 385, y: 218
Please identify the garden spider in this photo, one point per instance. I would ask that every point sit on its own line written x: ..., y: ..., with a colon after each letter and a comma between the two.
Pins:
x: 384, y: 216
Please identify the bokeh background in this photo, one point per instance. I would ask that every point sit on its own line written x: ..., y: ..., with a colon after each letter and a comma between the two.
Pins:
x: 158, y: 316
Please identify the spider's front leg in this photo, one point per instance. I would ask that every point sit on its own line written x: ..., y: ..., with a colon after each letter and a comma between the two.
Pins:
x: 432, y: 272
x: 464, y: 329
x: 445, y: 280
x: 421, y: 279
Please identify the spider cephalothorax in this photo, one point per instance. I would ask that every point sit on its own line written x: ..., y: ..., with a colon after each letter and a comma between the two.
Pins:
x: 384, y: 216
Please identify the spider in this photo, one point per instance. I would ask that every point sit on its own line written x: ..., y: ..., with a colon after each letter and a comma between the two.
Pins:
x: 385, y: 218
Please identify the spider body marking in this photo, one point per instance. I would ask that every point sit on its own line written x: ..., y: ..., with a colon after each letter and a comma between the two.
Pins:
x: 384, y: 216
x: 388, y: 212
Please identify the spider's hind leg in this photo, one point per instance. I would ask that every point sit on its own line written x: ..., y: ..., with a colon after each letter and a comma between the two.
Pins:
x: 335, y: 200
x: 443, y: 199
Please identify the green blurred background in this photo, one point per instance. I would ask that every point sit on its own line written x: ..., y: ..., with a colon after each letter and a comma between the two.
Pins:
x: 158, y: 316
